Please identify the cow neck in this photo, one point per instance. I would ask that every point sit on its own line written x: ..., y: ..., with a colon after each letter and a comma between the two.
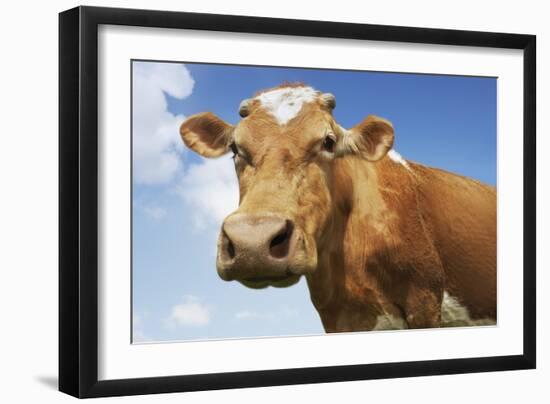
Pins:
x: 358, y: 206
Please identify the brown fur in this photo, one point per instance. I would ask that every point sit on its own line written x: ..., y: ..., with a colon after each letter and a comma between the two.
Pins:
x: 406, y: 237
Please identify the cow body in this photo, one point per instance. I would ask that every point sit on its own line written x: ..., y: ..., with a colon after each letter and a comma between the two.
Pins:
x: 411, y: 246
x: 383, y: 243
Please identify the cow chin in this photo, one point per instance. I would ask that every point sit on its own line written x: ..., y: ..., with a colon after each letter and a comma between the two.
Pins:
x: 262, y: 283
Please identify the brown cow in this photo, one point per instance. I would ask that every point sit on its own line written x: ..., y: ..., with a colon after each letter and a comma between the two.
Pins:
x: 384, y: 243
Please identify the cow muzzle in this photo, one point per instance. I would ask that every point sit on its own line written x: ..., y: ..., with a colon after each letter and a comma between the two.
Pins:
x: 262, y: 250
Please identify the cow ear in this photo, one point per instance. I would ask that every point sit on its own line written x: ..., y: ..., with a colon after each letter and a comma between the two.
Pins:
x: 206, y: 134
x: 372, y: 138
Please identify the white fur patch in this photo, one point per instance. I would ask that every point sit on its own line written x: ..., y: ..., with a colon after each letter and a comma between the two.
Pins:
x: 453, y: 314
x: 396, y: 157
x: 452, y: 310
x: 286, y: 103
x: 389, y: 322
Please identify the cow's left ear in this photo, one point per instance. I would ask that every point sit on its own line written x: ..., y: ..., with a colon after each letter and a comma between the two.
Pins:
x: 206, y: 134
x: 372, y: 138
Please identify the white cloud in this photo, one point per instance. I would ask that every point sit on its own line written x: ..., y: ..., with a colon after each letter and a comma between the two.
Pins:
x: 157, y: 146
x: 189, y: 313
x: 211, y: 190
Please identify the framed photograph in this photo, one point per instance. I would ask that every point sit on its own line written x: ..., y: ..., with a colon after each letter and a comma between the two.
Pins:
x: 252, y: 201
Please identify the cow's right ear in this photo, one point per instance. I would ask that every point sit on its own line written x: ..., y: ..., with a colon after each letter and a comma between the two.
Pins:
x: 206, y: 134
x: 371, y: 139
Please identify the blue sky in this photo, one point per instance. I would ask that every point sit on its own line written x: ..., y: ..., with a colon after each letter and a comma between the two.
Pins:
x: 180, y: 199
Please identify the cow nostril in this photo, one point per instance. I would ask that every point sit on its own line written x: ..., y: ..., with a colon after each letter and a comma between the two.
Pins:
x: 228, y: 249
x: 278, y: 248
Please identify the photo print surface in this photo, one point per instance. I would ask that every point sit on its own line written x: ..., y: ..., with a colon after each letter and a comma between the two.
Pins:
x: 272, y: 201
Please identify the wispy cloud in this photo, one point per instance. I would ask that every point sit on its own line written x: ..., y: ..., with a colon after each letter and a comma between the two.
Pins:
x: 189, y: 313
x: 154, y: 212
x: 157, y: 147
x: 281, y: 313
x: 211, y: 190
x: 138, y: 333
x: 247, y: 314
x: 152, y: 208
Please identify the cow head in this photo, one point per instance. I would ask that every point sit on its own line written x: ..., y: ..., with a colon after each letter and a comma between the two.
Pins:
x: 285, y: 149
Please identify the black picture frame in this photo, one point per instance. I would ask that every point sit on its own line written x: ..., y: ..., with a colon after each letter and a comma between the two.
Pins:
x: 78, y: 201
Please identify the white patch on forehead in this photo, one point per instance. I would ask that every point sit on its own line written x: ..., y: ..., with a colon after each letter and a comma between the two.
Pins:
x: 396, y: 157
x: 286, y: 103
x: 453, y: 314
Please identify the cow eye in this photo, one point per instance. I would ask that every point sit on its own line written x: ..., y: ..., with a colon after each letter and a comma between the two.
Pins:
x: 329, y: 144
x: 239, y: 155
x: 234, y: 149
